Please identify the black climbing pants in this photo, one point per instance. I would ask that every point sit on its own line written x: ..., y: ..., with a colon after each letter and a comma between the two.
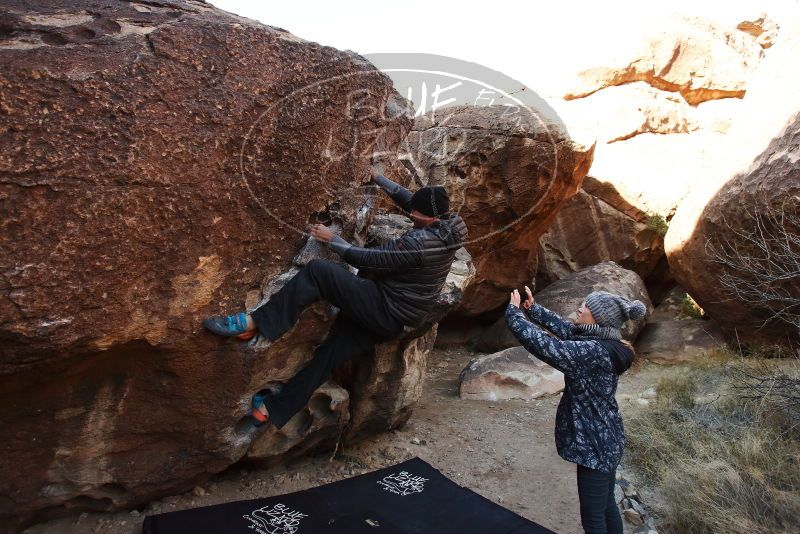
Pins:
x: 599, y: 512
x: 363, y: 322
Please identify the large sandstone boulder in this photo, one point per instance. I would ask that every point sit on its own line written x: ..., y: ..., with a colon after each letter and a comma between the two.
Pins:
x: 510, y: 374
x: 565, y: 296
x: 507, y: 174
x: 691, y: 56
x: 156, y: 162
x: 733, y: 244
x: 660, y: 107
x: 595, y: 227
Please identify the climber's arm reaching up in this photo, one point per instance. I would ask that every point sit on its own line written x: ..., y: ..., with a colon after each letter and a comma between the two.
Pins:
x: 398, y: 193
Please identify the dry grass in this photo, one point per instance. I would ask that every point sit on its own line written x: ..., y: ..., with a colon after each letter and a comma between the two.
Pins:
x: 729, y: 462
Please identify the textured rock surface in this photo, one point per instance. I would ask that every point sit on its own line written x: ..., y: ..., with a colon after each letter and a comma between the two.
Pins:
x: 507, y: 175
x: 566, y: 295
x: 661, y: 110
x: 763, y: 28
x: 386, y: 388
x: 678, y: 341
x: 755, y: 176
x: 670, y: 336
x: 316, y: 427
x: 510, y: 374
x: 126, y: 221
x: 620, y: 112
x: 590, y: 230
x: 692, y: 56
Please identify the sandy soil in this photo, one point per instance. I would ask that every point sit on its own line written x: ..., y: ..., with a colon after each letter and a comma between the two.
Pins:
x: 502, y: 450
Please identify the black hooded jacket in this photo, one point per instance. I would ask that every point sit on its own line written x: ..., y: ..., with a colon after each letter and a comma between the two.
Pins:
x: 589, y: 429
x: 410, y: 270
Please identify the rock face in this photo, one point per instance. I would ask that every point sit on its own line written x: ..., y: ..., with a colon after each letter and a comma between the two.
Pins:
x: 672, y: 337
x: 156, y: 159
x: 565, y: 296
x: 763, y: 28
x: 733, y: 243
x: 693, y: 57
x: 661, y: 110
x: 507, y: 175
x: 595, y: 227
x: 314, y: 428
x: 670, y: 342
x: 510, y: 374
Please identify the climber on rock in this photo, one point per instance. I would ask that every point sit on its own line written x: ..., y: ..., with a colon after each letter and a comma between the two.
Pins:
x: 404, y: 277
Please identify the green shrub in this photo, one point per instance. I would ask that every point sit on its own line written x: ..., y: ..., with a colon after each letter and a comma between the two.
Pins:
x: 657, y: 223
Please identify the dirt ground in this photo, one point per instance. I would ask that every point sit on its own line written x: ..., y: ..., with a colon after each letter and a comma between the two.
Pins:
x: 502, y: 450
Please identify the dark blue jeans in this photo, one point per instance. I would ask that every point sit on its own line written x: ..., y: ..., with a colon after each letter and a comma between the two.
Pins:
x: 599, y: 512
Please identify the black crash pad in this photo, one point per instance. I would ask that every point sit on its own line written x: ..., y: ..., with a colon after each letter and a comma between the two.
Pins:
x: 408, y: 498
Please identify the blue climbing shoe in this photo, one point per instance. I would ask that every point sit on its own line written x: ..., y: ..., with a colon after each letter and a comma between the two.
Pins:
x: 259, y: 419
x: 230, y: 325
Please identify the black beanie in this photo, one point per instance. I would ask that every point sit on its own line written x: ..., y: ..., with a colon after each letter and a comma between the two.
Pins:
x: 432, y: 201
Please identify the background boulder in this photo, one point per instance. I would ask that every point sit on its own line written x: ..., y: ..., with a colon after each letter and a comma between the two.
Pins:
x: 661, y: 106
x: 513, y: 373
x: 677, y: 333
x: 593, y: 227
x: 734, y: 244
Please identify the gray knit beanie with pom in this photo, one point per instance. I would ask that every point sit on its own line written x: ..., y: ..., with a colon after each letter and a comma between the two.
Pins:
x: 612, y: 310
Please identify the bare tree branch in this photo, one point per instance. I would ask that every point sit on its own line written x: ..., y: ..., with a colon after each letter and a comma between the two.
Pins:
x: 760, y: 260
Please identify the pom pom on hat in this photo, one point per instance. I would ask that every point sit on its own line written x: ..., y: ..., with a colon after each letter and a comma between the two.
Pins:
x: 636, y: 310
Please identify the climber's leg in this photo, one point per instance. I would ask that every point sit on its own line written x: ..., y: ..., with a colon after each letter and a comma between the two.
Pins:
x: 358, y: 298
x: 347, y: 339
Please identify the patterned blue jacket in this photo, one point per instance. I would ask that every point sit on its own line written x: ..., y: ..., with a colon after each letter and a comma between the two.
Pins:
x: 589, y: 427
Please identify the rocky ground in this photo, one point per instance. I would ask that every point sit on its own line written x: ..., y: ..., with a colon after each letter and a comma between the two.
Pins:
x: 502, y: 450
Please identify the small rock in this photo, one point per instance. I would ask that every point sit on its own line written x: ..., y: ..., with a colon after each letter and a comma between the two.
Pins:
x: 649, y: 393
x: 633, y: 517
x: 198, y: 491
x: 618, y: 494
x: 643, y: 402
x: 638, y: 508
x: 134, y: 513
x: 629, y: 489
x: 415, y: 441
